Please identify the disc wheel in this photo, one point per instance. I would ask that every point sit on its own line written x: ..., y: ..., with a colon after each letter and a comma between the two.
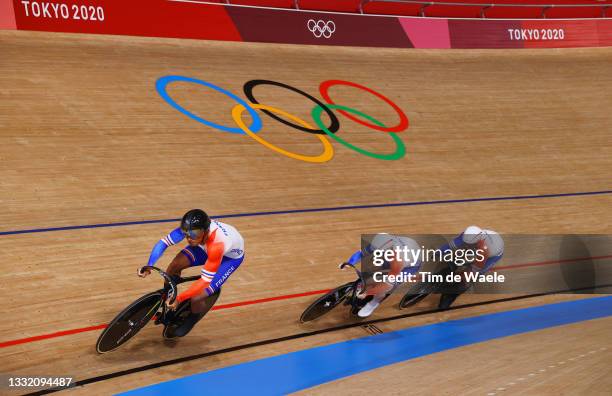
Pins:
x: 129, y: 322
x: 327, y: 302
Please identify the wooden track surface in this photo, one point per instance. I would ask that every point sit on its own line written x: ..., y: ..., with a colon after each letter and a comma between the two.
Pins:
x: 85, y: 139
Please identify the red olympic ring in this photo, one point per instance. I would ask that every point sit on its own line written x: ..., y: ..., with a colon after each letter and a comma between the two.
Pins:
x: 403, y: 124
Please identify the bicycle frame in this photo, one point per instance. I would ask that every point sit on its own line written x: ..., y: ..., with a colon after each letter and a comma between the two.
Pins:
x: 171, y: 283
x: 353, y: 300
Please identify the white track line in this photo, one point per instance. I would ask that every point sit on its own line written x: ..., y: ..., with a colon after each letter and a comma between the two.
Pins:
x: 543, y: 370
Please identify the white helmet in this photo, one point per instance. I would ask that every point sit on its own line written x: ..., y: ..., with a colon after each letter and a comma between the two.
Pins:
x: 379, y: 242
x: 473, y: 234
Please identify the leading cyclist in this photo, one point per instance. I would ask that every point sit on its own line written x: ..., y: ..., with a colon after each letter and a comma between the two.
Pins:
x: 217, y: 246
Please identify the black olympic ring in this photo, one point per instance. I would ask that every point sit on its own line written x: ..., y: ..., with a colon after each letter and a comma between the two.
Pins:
x: 248, y: 91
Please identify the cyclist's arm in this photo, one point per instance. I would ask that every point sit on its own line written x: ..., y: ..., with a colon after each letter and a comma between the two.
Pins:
x: 174, y: 237
x: 455, y: 243
x: 479, y: 265
x: 354, y: 259
x: 215, y: 255
x: 492, y: 256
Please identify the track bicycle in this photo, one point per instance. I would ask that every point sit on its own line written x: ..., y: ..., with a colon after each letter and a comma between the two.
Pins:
x: 150, y: 306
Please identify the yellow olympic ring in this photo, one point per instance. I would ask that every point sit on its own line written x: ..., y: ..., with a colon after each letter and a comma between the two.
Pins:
x: 328, y: 150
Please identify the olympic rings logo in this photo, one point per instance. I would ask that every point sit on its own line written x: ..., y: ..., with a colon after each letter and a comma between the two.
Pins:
x: 323, y: 131
x: 321, y: 28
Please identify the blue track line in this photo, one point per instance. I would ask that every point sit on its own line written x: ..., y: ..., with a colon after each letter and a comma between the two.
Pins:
x: 325, y: 209
x: 300, y: 370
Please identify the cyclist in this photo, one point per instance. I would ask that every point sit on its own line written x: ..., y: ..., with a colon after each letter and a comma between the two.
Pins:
x: 490, y: 244
x: 217, y: 246
x: 406, y: 265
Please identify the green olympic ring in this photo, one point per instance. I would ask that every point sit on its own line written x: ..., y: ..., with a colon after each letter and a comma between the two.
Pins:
x: 400, y: 147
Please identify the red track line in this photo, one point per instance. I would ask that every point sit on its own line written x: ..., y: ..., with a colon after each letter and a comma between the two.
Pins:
x: 263, y: 300
x: 513, y: 266
x: 102, y: 326
x: 268, y: 299
x: 52, y: 335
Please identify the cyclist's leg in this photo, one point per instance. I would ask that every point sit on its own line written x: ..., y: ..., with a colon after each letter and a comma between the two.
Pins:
x: 371, y: 305
x: 378, y: 298
x: 190, y: 256
x: 187, y: 324
x: 195, y: 254
x: 184, y: 259
x: 447, y: 299
x: 200, y: 305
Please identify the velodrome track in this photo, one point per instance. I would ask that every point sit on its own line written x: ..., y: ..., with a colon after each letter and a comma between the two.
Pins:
x: 515, y: 141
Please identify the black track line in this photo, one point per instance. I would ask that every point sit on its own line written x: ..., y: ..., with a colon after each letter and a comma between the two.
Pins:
x: 297, y: 336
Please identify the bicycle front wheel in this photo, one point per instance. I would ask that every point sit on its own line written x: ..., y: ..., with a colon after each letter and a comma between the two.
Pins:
x: 327, y: 302
x: 129, y: 322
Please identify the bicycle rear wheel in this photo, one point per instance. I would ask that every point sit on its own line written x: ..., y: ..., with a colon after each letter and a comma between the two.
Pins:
x: 415, y: 295
x: 327, y: 302
x: 129, y: 322
x: 182, y: 324
x: 422, y: 290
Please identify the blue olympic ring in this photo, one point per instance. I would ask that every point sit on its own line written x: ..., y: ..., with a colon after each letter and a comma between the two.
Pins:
x: 163, y: 82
